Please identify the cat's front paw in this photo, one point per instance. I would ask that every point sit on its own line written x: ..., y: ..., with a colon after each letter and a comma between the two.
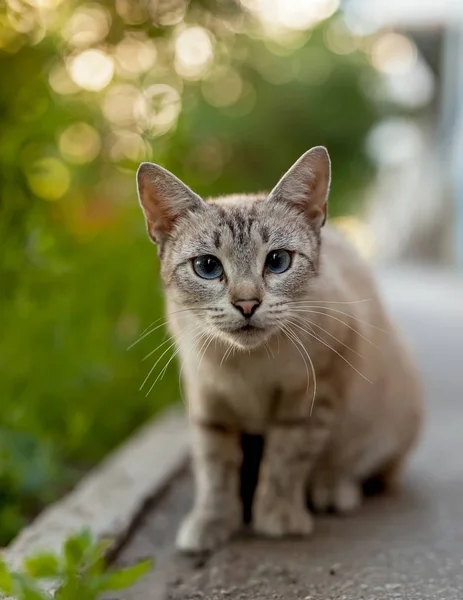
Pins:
x: 343, y: 496
x: 280, y: 518
x: 201, y: 532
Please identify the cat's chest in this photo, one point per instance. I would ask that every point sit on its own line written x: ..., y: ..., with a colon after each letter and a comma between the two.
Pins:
x: 248, y: 393
x: 246, y: 390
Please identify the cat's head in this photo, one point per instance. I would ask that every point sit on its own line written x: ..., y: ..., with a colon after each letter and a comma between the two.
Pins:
x: 237, y: 262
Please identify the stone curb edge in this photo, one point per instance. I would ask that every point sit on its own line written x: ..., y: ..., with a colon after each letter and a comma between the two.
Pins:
x: 110, y: 497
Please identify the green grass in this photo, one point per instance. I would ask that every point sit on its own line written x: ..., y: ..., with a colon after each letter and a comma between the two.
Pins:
x: 70, y: 392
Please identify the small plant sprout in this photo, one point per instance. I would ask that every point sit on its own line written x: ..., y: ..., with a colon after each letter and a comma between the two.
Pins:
x: 79, y: 572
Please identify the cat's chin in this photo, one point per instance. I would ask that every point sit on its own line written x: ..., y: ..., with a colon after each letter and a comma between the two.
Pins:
x: 249, y: 337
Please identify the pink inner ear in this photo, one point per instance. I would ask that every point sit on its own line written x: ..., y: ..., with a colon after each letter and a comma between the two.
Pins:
x: 306, y: 185
x: 158, y: 219
x: 164, y: 198
x: 154, y: 232
x: 317, y: 214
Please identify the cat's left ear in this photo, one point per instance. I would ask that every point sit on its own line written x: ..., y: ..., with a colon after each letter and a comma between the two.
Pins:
x: 164, y: 199
x: 307, y: 185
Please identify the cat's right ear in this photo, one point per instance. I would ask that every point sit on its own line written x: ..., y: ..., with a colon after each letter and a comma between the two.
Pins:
x: 164, y: 199
x: 306, y: 185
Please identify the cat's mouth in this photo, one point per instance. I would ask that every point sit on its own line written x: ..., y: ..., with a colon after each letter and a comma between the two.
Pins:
x: 248, y: 335
x: 248, y: 328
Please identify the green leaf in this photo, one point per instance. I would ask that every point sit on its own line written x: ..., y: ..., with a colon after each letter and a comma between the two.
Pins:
x: 70, y: 590
x: 95, y: 562
x: 125, y: 578
x: 42, y: 566
x: 29, y: 593
x: 24, y: 588
x: 6, y: 582
x: 76, y: 547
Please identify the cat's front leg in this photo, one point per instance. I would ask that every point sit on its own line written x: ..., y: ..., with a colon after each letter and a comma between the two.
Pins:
x: 280, y: 505
x: 217, y: 512
x: 292, y: 447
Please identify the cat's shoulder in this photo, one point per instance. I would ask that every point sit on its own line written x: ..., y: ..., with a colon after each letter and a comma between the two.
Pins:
x: 343, y: 266
x: 335, y: 242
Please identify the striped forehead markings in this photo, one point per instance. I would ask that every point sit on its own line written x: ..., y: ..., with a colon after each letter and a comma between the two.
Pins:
x: 240, y: 225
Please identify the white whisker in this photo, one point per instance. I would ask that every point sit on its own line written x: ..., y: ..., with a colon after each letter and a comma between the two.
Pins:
x: 188, y: 331
x: 157, y: 348
x: 333, y: 349
x: 142, y: 337
x: 202, y: 353
x: 312, y: 368
x: 155, y: 365
x: 269, y: 348
x: 164, y: 370
x: 310, y: 306
x: 292, y: 338
x: 266, y: 350
x: 226, y: 354
x: 315, y: 312
x: 145, y: 332
x: 315, y: 324
x: 330, y: 301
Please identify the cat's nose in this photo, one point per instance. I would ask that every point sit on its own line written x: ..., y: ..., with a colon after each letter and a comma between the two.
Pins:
x: 247, y: 307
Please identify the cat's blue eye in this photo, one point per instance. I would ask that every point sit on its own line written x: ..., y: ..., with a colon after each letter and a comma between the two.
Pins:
x: 278, y: 261
x: 207, y: 266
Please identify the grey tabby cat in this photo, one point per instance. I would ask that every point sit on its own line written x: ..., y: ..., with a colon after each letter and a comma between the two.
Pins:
x: 280, y: 332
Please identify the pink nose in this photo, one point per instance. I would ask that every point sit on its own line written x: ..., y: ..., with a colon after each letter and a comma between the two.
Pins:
x: 247, y: 307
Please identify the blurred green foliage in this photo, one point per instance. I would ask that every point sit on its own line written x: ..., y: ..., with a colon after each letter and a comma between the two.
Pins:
x: 87, y: 92
x: 78, y: 572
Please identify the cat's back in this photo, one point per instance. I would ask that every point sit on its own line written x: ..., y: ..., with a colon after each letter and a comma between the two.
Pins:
x: 342, y: 269
x: 336, y: 248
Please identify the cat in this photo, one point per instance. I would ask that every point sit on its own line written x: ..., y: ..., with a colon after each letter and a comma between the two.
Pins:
x: 280, y: 332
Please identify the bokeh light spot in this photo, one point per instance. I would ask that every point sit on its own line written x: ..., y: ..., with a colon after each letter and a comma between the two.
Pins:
x: 224, y: 88
x: 245, y: 104
x: 340, y: 39
x: 88, y: 25
x: 393, y: 53
x: 193, y: 52
x: 80, y: 143
x: 135, y: 55
x: 126, y: 145
x: 48, y: 178
x: 168, y: 13
x: 60, y: 80
x: 91, y: 70
x: 46, y: 4
x: 133, y: 12
x: 23, y: 21
x: 120, y: 104
x: 291, y: 14
x: 159, y: 109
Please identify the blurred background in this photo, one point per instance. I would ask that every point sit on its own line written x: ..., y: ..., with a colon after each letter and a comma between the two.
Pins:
x: 227, y: 94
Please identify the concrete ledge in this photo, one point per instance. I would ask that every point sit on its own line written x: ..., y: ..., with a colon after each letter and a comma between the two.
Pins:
x: 111, y: 496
